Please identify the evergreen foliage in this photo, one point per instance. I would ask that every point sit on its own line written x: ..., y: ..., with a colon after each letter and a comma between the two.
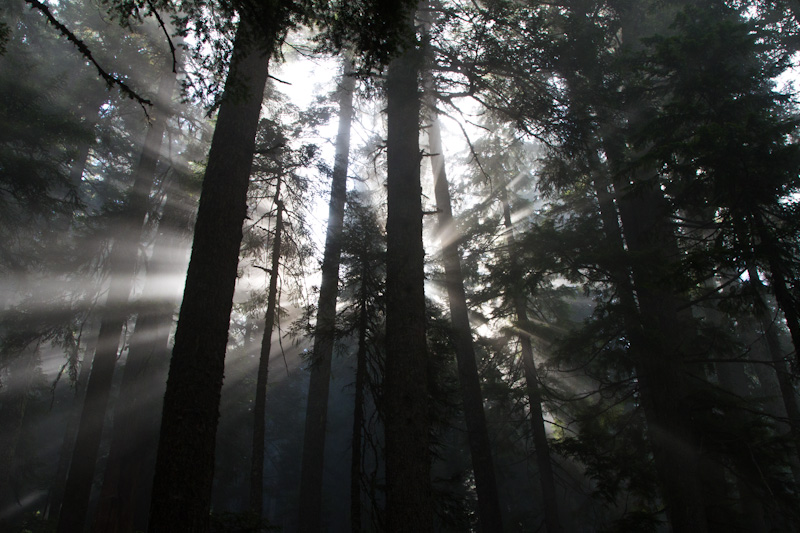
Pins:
x: 624, y: 213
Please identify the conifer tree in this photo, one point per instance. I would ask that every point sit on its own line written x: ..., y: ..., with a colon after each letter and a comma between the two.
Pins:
x: 406, y: 409
x: 324, y: 334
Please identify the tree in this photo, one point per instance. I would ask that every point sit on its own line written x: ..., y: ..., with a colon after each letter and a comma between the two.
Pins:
x: 259, y: 410
x: 124, y: 497
x: 408, y: 488
x: 185, y: 459
x: 123, y: 258
x: 324, y: 334
x: 477, y: 433
x: 363, y: 263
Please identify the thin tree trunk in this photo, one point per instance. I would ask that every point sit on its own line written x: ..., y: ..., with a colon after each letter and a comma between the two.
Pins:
x: 319, y: 382
x: 124, y: 498
x: 358, y: 414
x: 260, y: 406
x: 56, y: 493
x: 123, y: 257
x: 541, y: 446
x: 408, y: 474
x: 185, y: 461
x: 477, y: 434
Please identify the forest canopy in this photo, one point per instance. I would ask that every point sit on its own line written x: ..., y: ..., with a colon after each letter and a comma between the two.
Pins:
x: 447, y: 265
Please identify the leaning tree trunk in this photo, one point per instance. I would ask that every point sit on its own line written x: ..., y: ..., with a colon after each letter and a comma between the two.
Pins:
x: 319, y: 382
x: 123, y: 257
x: 477, y: 433
x: 778, y: 282
x: 185, y: 460
x: 406, y: 406
x: 260, y: 405
x: 784, y: 377
x: 655, y: 352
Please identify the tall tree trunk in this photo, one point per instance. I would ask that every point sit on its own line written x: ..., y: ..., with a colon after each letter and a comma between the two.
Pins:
x: 319, y: 382
x: 260, y: 406
x: 660, y: 368
x: 185, y: 461
x: 406, y: 406
x: 124, y: 498
x: 656, y: 353
x: 358, y: 412
x: 477, y: 433
x: 541, y: 447
x: 123, y: 257
x: 656, y: 330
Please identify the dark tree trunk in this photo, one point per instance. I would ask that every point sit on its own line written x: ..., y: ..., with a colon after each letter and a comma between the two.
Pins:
x: 777, y: 277
x: 408, y: 481
x: 477, y: 433
x: 656, y: 329
x: 358, y: 413
x: 123, y: 257
x: 656, y: 352
x: 125, y: 496
x: 260, y: 406
x: 784, y: 377
x: 660, y: 368
x: 185, y: 461
x: 733, y: 380
x: 319, y: 383
x: 544, y: 463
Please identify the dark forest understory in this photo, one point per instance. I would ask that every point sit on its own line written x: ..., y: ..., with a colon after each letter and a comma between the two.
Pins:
x: 448, y: 265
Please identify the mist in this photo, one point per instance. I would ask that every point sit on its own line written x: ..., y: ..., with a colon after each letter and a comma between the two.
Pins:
x: 364, y: 266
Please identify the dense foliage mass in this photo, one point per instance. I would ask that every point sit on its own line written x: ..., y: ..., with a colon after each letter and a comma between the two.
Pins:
x: 497, y: 265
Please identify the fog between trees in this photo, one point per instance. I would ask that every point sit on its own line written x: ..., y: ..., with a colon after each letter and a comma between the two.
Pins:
x: 396, y: 266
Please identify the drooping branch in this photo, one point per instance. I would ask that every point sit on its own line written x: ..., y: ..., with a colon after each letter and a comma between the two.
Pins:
x: 83, y: 48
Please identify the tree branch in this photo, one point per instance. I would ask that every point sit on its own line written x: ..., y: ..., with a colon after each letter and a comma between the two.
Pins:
x: 166, y: 34
x: 110, y: 79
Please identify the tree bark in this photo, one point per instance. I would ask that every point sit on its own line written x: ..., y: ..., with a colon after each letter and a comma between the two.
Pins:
x: 123, y: 257
x: 319, y: 382
x: 260, y: 405
x: 185, y: 460
x: 471, y: 397
x: 408, y: 481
